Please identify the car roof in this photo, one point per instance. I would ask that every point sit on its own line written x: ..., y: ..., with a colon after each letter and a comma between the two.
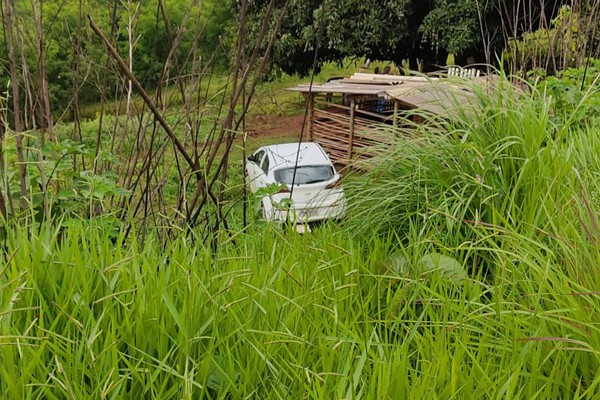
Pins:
x: 284, y: 155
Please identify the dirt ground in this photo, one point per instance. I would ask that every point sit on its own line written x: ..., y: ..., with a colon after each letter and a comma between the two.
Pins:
x: 271, y: 127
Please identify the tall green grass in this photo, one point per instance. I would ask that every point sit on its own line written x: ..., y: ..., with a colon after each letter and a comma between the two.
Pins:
x: 514, y: 198
x: 497, y: 159
x: 278, y: 315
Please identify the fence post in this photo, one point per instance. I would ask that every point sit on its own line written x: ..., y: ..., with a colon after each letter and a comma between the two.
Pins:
x: 310, y: 116
x: 351, y: 133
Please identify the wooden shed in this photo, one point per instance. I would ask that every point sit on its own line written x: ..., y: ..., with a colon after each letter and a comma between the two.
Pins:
x: 348, y: 116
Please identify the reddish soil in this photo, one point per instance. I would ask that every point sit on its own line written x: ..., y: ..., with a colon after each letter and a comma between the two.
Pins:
x: 274, y: 126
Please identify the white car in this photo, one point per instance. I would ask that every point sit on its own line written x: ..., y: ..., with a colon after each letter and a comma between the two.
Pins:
x: 299, y: 182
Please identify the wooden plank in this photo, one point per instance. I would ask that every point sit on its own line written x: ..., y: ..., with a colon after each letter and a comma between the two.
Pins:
x: 359, y: 111
x: 399, y: 78
x: 330, y: 115
x: 351, y: 130
x: 311, y: 107
x: 333, y: 87
x: 356, y: 81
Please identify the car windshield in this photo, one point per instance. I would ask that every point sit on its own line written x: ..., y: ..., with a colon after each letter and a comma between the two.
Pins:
x: 304, y: 174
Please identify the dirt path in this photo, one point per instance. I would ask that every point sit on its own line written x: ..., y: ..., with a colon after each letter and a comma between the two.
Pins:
x: 271, y: 127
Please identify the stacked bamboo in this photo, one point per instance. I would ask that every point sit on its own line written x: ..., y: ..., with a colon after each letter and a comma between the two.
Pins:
x: 347, y: 137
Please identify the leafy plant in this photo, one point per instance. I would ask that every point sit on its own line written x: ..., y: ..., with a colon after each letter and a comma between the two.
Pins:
x: 574, y: 92
x: 283, y: 204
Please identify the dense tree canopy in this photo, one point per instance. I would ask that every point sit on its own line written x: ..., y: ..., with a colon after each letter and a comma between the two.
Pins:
x: 74, y: 57
x: 397, y: 30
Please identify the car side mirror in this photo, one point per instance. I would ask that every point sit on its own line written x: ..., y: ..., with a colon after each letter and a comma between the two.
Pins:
x: 251, y: 158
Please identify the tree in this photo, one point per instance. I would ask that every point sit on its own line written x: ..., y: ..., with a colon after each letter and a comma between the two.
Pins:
x: 343, y: 28
x: 397, y: 30
x: 451, y: 25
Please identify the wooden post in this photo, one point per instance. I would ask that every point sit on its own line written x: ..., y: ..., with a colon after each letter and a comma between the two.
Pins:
x: 351, y: 133
x: 395, y: 113
x: 310, y: 116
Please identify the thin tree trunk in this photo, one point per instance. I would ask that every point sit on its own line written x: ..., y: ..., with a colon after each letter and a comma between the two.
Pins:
x: 30, y: 100
x: 2, y: 172
x: 76, y: 81
x: 14, y: 77
x: 113, y: 32
x: 47, y: 124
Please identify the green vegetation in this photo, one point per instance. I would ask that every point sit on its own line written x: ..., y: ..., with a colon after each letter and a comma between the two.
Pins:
x: 133, y: 266
x: 574, y: 92
x: 75, y: 61
x: 555, y: 48
x: 466, y: 269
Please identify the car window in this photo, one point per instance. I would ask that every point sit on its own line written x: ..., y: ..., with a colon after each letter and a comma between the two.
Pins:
x: 264, y: 165
x: 304, y: 174
x: 258, y: 156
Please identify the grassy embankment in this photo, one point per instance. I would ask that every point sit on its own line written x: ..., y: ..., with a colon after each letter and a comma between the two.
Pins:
x: 271, y: 99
